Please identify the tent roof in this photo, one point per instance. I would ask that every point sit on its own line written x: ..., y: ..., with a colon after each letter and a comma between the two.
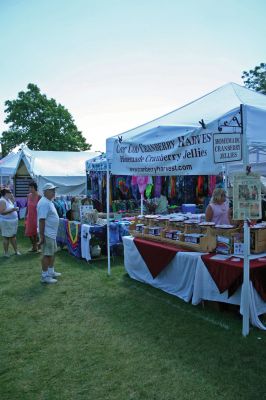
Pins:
x: 56, y: 163
x: 46, y: 163
x: 177, y: 142
x: 208, y: 107
x: 9, y: 163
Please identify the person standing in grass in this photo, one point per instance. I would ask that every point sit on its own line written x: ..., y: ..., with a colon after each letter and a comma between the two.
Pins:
x: 8, y: 221
x: 31, y: 215
x: 48, y: 222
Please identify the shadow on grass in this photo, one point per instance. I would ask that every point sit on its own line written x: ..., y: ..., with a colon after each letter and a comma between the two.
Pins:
x: 33, y: 292
x: 4, y: 260
x: 100, y: 263
x: 219, y: 314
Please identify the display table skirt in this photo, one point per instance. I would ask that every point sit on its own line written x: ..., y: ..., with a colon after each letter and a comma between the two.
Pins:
x: 187, y: 277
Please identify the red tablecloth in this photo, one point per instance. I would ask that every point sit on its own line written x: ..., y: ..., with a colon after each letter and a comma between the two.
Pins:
x: 228, y: 274
x: 156, y: 255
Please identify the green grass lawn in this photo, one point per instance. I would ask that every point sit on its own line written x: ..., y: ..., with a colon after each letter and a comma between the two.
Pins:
x: 97, y: 337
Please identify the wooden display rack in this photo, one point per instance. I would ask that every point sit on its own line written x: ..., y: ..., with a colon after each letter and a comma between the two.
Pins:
x: 206, y: 243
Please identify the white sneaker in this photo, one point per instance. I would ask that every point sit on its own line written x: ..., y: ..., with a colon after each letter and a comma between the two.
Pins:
x: 48, y: 279
x: 17, y: 253
x: 54, y: 274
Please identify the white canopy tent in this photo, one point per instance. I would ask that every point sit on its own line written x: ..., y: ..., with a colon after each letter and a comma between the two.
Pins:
x: 191, y: 127
x: 62, y: 168
x: 9, y: 163
x: 197, y: 139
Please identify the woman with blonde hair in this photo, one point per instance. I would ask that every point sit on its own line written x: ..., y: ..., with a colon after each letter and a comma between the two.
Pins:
x: 218, y: 209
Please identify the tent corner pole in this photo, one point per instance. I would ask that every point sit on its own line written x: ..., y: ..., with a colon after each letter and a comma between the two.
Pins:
x: 245, y: 287
x: 108, y: 217
x: 245, y: 293
x: 141, y: 204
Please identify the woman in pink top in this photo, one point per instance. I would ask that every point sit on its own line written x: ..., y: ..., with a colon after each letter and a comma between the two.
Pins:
x: 218, y: 209
x: 31, y: 215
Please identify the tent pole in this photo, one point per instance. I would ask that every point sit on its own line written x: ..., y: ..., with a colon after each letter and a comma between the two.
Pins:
x: 245, y: 288
x: 225, y: 175
x: 141, y: 204
x: 108, y: 216
x: 245, y: 293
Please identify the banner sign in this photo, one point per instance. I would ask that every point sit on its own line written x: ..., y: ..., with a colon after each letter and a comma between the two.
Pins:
x: 246, y: 196
x: 160, y: 154
x: 227, y: 147
x: 97, y: 165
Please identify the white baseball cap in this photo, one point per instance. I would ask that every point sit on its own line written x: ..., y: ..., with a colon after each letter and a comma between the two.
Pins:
x: 48, y: 186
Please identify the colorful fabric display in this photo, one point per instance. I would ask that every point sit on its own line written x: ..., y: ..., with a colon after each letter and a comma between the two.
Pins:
x: 114, y: 233
x: 157, y: 186
x: 59, y: 208
x: 172, y: 187
x: 121, y: 185
x: 73, y: 237
x: 148, y: 190
x: 211, y: 184
x: 134, y: 190
x: 200, y: 185
x: 189, y: 192
x: 142, y: 182
x: 61, y: 233
x: 128, y: 182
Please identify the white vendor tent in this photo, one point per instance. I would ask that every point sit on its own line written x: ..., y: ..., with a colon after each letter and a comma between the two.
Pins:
x: 62, y: 168
x: 9, y: 163
x: 183, y: 141
x: 197, y: 139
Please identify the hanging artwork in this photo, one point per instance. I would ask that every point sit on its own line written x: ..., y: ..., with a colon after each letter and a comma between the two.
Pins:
x: 246, y: 196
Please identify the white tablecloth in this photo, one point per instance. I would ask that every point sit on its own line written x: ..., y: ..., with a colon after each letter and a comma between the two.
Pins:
x: 177, y: 278
x: 187, y: 278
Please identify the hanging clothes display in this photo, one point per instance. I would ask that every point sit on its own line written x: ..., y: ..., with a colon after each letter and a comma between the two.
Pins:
x: 141, y: 181
x: 212, y: 184
x: 190, y: 189
x: 172, y: 187
x: 95, y: 185
x: 157, y: 186
x: 200, y: 186
x: 134, y: 190
x: 122, y: 187
x: 149, y: 187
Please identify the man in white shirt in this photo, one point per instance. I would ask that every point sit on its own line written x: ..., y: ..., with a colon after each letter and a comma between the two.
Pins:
x: 48, y: 221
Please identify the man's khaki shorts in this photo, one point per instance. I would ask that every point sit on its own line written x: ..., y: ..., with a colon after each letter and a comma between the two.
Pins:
x: 49, y: 246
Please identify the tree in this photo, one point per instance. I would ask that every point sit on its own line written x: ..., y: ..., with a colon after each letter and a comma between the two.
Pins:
x: 40, y: 123
x: 256, y: 78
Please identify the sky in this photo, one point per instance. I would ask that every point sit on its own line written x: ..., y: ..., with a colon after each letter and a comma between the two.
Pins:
x: 116, y: 64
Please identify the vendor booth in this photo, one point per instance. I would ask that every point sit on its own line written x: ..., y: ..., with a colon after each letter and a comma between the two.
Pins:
x: 161, y: 194
x: 64, y: 169
x: 123, y: 198
x: 8, y: 165
x: 200, y: 138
